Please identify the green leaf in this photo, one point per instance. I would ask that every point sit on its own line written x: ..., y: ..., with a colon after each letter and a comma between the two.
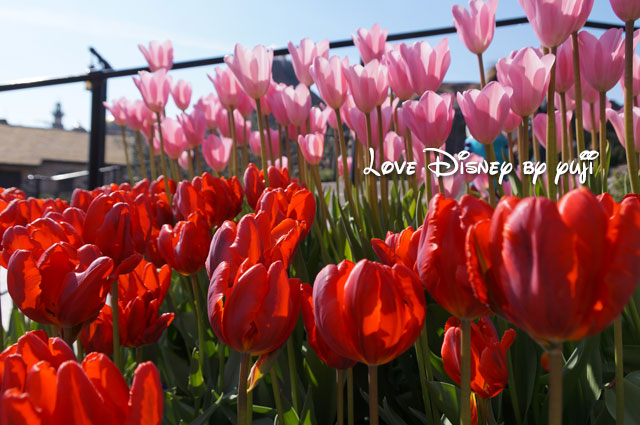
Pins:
x: 445, y: 397
x: 308, y: 415
x: 200, y: 420
x: 631, y: 399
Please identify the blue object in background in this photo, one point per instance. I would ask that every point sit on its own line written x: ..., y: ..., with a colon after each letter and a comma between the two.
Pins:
x: 500, y: 146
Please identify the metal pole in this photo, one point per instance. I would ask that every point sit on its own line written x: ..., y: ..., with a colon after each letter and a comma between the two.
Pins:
x: 97, y: 134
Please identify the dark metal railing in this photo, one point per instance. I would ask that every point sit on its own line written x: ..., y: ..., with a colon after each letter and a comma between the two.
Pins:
x: 97, y: 79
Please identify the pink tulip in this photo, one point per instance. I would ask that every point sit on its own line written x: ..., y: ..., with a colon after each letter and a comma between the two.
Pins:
x: 602, y: 61
x: 252, y: 68
x: 370, y: 43
x: 302, y: 58
x: 297, y: 102
x: 584, y: 10
x: 246, y: 106
x: 312, y: 147
x: 467, y: 177
x: 393, y: 146
x: 227, y: 87
x: 194, y: 126
x: 512, y: 123
x: 571, y: 104
x: 341, y: 167
x: 485, y: 111
x: 589, y: 95
x: 154, y: 88
x: 592, y: 110
x: 540, y: 128
x: 318, y: 119
x: 626, y: 10
x: 158, y: 56
x: 528, y: 75
x: 139, y: 117
x: 345, y: 115
x: 427, y: 66
x: 359, y: 123
x: 222, y: 118
x: 216, y: 151
x: 476, y: 26
x: 280, y: 163
x: 430, y: 118
x: 184, y: 159
x: 369, y: 84
x: 181, y: 93
x: 276, y: 104
x: 399, y: 79
x: 209, y: 106
x: 553, y: 21
x: 330, y: 79
x: 174, y: 140
x: 254, y: 143
x: 118, y: 109
x: 564, y: 67
x: 635, y: 74
x: 617, y: 120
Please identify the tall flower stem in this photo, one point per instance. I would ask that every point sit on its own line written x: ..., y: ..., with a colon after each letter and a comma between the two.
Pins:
x: 163, y: 159
x: 617, y: 336
x: 555, y: 386
x: 578, y: 97
x: 523, y: 153
x: 427, y: 176
x: 491, y: 156
x: 263, y: 149
x: 632, y: 160
x: 272, y: 158
x: 199, y: 318
x: 565, y: 139
x: 483, y: 79
x: 340, y: 388
x: 126, y: 154
x: 221, y: 359
x: 350, y: 402
x: 324, y: 210
x: 245, y: 359
x: 510, y: 144
x: 337, y: 165
x: 143, y: 166
x: 234, y: 149
x: 604, y: 169
x: 384, y: 185
x: 302, y: 172
x: 373, y: 187
x: 117, y: 358
x: 152, y: 162
x: 345, y: 167
x: 552, y: 155
x: 293, y: 375
x: 465, y: 372
x: 420, y: 356
x: 373, y: 395
x: 190, y: 158
x: 413, y: 178
x: 275, y: 386
x: 198, y: 154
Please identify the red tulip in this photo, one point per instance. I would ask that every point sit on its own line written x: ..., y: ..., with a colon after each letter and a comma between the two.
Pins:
x: 254, y: 182
x: 367, y: 311
x: 63, y: 286
x: 324, y: 352
x: 441, y: 258
x: 253, y: 310
x: 109, y: 225
x: 399, y: 248
x: 293, y: 202
x: 48, y: 386
x: 254, y: 240
x: 489, y: 371
x: 535, y: 250
x: 184, y: 247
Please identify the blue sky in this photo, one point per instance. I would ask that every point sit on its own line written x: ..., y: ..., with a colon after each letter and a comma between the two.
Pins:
x: 45, y: 38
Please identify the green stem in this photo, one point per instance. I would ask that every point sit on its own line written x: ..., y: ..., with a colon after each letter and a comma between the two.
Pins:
x: 565, y: 139
x: 483, y: 79
x: 199, y: 318
x: 617, y: 336
x: 423, y: 376
x: 523, y: 153
x: 275, y: 385
x: 427, y: 177
x: 293, y: 375
x: 580, y: 142
x: 263, y: 150
x: 117, y: 358
x: 555, y: 386
x: 552, y: 155
x: 139, y: 355
x: 221, y: 358
x: 373, y: 394
x: 190, y: 163
x: 126, y: 154
x: 143, y: 166
x: 163, y: 160
x: 604, y: 169
x: 234, y: 150
x: 628, y: 110
x: 270, y: 148
x: 384, y: 185
x: 465, y: 372
x: 242, y: 388
x: 340, y: 388
x: 350, y: 403
x: 373, y: 186
x: 491, y: 156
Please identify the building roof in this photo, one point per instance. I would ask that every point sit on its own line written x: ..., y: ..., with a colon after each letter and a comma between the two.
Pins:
x: 29, y: 146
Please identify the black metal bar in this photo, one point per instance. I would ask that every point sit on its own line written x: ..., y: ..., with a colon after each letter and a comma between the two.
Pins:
x: 90, y: 76
x: 97, y: 134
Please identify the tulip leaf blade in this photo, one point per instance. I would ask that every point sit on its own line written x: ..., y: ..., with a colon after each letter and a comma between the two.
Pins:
x: 446, y: 398
x: 261, y: 367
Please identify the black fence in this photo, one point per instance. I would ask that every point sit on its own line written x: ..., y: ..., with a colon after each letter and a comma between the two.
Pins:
x: 97, y: 80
